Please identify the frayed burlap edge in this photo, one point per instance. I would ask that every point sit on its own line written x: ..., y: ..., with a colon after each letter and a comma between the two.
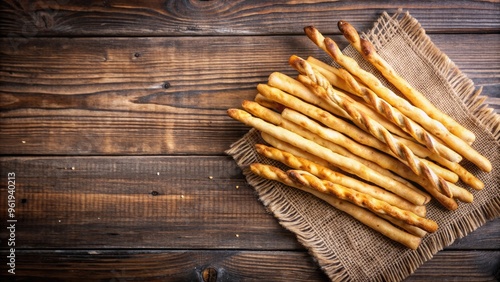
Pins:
x: 243, y: 152
x: 466, y: 93
x: 469, y: 97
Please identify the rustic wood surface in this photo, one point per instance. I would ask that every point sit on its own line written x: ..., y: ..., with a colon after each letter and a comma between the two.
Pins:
x: 113, y: 118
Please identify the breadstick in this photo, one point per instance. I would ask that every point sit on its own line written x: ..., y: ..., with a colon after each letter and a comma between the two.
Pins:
x: 345, y: 163
x: 456, y: 168
x: 397, y: 148
x: 401, y: 151
x: 461, y: 194
x: 294, y: 87
x: 277, y: 119
x: 409, y: 126
x: 301, y: 91
x: 332, y: 74
x: 467, y: 177
x: 360, y: 150
x: 426, y: 180
x: 352, y: 131
x: 446, y: 174
x: 361, y: 199
x: 268, y: 103
x: 366, y: 49
x: 445, y: 201
x: 332, y: 122
x: 283, y: 146
x: 323, y: 172
x: 386, y: 110
x: 362, y: 215
x: 416, y: 114
x: 290, y: 85
x: 419, y: 232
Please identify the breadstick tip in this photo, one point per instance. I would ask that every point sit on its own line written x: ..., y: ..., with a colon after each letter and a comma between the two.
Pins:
x: 238, y: 114
x: 294, y: 59
x: 246, y: 103
x: 348, y: 31
x: 314, y: 35
x: 299, y: 64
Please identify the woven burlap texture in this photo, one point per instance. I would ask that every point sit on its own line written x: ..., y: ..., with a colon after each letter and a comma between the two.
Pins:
x: 349, y: 251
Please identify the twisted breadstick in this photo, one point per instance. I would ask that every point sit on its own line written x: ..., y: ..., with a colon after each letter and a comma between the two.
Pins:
x: 361, y: 199
x: 411, y: 239
x: 333, y: 75
x: 409, y: 126
x: 325, y: 173
x: 366, y: 49
x: 401, y: 151
x: 347, y: 164
x: 433, y: 126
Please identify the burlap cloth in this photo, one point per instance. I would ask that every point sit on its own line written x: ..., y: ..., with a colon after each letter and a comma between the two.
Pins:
x: 349, y: 251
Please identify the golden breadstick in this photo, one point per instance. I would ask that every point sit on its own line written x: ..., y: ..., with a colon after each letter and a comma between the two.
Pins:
x: 362, y: 215
x: 361, y: 199
x: 460, y: 193
x: 268, y: 103
x: 398, y: 149
x: 445, y: 173
x: 366, y: 49
x: 290, y: 85
x: 345, y: 163
x: 291, y: 101
x: 301, y: 91
x: 401, y: 151
x: 283, y: 146
x: 467, y: 177
x: 433, y: 126
x: 294, y: 87
x: 426, y: 180
x: 335, y: 123
x: 352, y: 131
x: 360, y: 150
x: 332, y: 74
x: 277, y: 119
x: 385, y: 109
x: 323, y: 172
x: 419, y: 232
x: 409, y: 126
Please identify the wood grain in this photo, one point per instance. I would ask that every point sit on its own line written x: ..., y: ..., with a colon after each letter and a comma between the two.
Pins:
x: 167, y: 265
x: 185, y: 265
x: 154, y: 202
x: 146, y: 96
x: 113, y: 117
x: 196, y: 17
x: 149, y: 202
x: 460, y: 266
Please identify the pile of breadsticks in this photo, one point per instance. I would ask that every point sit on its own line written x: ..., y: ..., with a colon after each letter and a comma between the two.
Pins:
x: 354, y: 143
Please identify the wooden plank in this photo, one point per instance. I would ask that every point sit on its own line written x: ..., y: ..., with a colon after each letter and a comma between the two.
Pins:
x: 485, y: 237
x: 142, y: 96
x: 165, y: 18
x: 149, y: 202
x: 176, y: 265
x: 152, y: 202
x: 459, y: 266
x: 203, y: 265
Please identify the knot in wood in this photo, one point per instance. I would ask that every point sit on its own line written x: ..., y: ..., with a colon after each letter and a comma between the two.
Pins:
x: 209, y: 274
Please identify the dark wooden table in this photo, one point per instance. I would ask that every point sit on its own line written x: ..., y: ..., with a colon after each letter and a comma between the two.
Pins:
x: 113, y: 123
